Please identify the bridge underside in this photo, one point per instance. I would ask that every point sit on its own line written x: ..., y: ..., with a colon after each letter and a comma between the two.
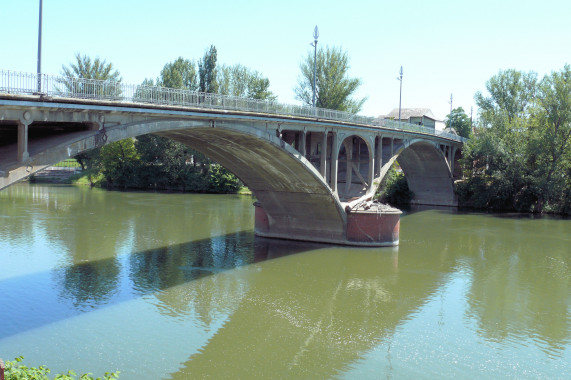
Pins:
x: 297, y: 202
x: 427, y: 175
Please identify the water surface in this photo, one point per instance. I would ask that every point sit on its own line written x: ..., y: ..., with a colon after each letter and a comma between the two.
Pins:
x: 176, y: 286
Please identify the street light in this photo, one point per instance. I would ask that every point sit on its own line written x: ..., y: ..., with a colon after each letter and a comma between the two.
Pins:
x: 40, y: 50
x: 400, y: 94
x: 314, y: 44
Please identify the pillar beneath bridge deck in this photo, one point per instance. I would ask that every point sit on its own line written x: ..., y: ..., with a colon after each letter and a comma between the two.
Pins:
x: 23, y: 154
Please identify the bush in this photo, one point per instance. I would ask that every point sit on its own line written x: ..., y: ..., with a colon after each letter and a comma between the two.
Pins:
x: 16, y: 370
x: 395, y: 190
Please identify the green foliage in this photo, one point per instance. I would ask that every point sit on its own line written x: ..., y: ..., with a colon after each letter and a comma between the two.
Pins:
x: 460, y: 122
x: 519, y: 158
x: 16, y: 370
x: 181, y: 73
x: 334, y: 87
x: 238, y: 80
x: 207, y: 71
x: 118, y: 162
x: 511, y: 95
x: 85, y: 68
x: 395, y: 190
x: 69, y: 163
x: 222, y: 181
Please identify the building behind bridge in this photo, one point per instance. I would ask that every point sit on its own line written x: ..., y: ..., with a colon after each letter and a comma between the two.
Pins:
x: 419, y: 116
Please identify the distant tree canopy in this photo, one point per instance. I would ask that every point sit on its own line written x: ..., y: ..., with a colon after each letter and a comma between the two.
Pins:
x: 334, y: 88
x: 180, y: 73
x: 459, y: 121
x: 520, y: 156
x: 86, y: 68
x: 238, y: 80
x: 207, y: 71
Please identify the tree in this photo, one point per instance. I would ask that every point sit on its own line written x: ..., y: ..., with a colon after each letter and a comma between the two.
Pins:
x: 118, y: 161
x: 511, y: 95
x: 495, y: 159
x: 207, y: 71
x: 238, y: 80
x: 550, y: 135
x: 85, y: 68
x: 520, y: 156
x: 334, y: 88
x: 180, y: 73
x: 460, y: 122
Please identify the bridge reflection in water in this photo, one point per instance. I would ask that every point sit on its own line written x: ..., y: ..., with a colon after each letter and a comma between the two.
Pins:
x: 216, y: 301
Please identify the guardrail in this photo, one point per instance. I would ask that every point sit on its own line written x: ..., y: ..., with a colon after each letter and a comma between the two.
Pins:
x: 13, y: 82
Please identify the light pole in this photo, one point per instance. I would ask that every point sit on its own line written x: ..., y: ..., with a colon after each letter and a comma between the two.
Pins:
x: 400, y: 94
x: 40, y: 50
x: 314, y: 44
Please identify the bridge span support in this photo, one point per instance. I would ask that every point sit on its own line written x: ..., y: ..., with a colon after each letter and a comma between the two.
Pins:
x: 313, y: 179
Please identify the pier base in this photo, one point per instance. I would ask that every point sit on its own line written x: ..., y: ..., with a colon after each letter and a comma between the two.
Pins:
x: 376, y: 226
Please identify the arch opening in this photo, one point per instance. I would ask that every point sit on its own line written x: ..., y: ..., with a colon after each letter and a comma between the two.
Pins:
x: 427, y: 174
x: 353, y: 174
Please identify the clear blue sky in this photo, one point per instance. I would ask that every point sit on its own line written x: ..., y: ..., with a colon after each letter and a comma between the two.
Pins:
x: 444, y: 46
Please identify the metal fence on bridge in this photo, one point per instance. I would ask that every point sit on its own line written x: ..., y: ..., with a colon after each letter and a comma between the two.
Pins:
x: 12, y: 82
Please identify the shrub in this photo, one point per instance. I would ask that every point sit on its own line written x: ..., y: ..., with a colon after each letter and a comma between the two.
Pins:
x: 16, y: 370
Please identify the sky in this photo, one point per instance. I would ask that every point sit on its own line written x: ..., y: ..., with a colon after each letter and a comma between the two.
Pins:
x: 446, y: 47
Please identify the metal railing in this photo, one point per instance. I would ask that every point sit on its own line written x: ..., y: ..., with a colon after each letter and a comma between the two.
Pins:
x: 12, y: 82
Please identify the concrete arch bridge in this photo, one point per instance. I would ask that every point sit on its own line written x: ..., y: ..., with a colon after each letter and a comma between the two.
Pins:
x: 309, y: 169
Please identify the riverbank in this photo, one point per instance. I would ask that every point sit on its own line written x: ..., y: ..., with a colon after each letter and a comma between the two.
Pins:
x: 76, y: 176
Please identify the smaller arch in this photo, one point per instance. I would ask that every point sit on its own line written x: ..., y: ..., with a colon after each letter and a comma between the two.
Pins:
x: 427, y: 173
x: 355, y: 167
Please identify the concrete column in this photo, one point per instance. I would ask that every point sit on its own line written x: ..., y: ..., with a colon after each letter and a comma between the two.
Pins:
x: 349, y: 173
x: 302, y: 147
x: 323, y: 164
x: 334, y: 162
x: 371, y: 164
x: 379, y: 157
x: 392, y: 147
x: 23, y: 154
x: 452, y: 161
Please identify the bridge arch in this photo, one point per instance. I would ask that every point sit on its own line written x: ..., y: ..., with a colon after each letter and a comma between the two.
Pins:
x: 427, y: 173
x: 291, y: 191
x: 355, y: 167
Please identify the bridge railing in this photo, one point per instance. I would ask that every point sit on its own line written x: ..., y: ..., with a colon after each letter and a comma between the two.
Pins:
x: 13, y: 82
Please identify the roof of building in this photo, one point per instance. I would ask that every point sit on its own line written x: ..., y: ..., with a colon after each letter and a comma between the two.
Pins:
x: 407, y: 113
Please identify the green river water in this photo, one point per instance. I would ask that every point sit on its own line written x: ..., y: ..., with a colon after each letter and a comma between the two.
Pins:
x: 176, y: 286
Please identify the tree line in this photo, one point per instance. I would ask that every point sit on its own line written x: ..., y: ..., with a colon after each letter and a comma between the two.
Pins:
x: 519, y: 154
x: 158, y: 163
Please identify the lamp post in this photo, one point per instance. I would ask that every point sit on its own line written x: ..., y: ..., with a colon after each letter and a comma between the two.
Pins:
x: 39, y: 71
x: 314, y: 44
x: 400, y: 94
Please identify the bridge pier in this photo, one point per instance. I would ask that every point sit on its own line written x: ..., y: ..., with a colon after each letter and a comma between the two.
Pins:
x: 377, y: 226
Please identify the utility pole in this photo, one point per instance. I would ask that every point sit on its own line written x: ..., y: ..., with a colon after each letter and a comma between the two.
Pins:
x: 400, y: 93
x: 314, y: 44
x: 450, y: 104
x: 39, y: 71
